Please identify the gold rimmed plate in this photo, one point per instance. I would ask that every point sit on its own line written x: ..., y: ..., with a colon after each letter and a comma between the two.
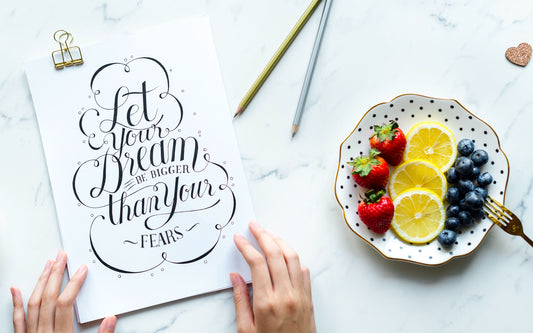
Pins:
x: 408, y: 110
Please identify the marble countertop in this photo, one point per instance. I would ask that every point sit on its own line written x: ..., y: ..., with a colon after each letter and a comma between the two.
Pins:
x: 372, y: 52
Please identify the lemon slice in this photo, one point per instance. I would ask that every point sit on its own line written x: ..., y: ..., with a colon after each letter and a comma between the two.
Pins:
x: 418, y: 216
x: 432, y: 142
x: 417, y: 174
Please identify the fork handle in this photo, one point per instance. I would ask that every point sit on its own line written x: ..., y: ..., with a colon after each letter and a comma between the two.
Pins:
x: 527, y: 239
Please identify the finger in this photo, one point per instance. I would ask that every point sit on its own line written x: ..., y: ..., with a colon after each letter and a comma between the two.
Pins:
x: 274, y: 256
x: 19, y: 322
x: 243, y: 305
x: 306, y: 275
x: 292, y: 260
x: 108, y: 325
x: 51, y: 291
x: 34, y: 303
x: 64, y: 316
x: 258, y: 267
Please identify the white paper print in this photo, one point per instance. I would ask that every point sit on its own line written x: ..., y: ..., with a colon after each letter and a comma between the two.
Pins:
x: 144, y: 168
x: 152, y: 186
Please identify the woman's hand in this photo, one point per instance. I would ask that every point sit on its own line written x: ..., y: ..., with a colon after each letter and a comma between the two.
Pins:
x: 281, y: 287
x: 49, y: 311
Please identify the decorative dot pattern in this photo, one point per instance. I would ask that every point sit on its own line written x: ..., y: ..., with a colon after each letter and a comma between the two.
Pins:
x: 409, y: 110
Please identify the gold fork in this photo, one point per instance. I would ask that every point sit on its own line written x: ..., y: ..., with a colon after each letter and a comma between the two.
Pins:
x: 504, y: 218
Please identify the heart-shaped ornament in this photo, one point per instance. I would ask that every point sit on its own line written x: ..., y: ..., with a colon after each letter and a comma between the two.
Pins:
x: 519, y: 55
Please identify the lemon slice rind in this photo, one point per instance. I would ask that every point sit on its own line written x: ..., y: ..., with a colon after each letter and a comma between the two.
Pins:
x: 433, y: 142
x: 417, y: 173
x: 419, y: 216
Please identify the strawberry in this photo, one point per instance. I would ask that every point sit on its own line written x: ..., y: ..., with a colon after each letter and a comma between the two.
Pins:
x: 370, y: 171
x: 376, y: 211
x: 390, y: 141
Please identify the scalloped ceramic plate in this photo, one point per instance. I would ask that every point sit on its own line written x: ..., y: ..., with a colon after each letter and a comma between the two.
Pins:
x: 408, y: 110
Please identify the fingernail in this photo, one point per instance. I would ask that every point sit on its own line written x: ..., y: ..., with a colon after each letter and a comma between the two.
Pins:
x: 12, y: 289
x: 111, y: 322
x: 238, y: 236
x: 234, y: 279
x: 49, y: 264
x: 254, y: 224
x: 81, y: 269
x: 59, y: 255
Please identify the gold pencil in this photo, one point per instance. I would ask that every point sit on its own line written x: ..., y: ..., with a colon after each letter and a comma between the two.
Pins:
x: 277, y: 56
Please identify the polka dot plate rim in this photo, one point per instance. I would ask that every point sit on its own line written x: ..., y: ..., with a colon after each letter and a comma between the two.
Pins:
x: 407, y: 110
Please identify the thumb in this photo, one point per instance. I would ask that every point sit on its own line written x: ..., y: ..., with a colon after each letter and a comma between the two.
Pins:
x: 108, y: 325
x: 243, y: 305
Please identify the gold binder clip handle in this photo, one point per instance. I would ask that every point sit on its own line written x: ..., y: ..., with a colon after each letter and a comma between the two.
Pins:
x: 66, y: 55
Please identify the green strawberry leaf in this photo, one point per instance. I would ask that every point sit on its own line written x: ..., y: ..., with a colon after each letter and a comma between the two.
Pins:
x: 386, y: 132
x: 363, y: 165
x: 373, y: 153
x: 372, y: 196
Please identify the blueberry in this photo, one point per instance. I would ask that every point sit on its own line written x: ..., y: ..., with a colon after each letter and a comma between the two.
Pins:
x: 452, y: 223
x: 479, y: 157
x: 482, y: 192
x: 452, y: 176
x: 473, y: 200
x: 447, y: 237
x: 464, y: 166
x: 465, y: 186
x: 477, y: 214
x: 453, y: 195
x: 462, y: 206
x: 465, y: 147
x: 475, y: 173
x: 484, y: 179
x: 465, y: 218
x: 452, y: 210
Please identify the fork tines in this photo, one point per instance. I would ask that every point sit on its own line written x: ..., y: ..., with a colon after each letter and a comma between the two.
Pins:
x: 497, y: 212
x: 505, y: 219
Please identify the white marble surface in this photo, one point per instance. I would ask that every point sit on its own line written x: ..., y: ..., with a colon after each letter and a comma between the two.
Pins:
x: 372, y: 52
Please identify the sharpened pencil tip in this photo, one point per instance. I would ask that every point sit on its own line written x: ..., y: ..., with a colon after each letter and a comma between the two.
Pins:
x: 240, y: 109
x: 294, y: 130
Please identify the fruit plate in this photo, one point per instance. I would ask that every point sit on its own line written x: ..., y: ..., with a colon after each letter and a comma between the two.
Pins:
x: 408, y: 110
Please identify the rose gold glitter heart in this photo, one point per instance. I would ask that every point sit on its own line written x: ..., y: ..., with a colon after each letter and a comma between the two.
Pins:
x: 519, y: 55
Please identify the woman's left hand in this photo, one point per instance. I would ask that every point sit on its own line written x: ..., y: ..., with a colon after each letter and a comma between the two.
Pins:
x: 48, y: 310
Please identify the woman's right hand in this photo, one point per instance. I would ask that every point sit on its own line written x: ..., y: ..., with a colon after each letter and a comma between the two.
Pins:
x: 281, y: 286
